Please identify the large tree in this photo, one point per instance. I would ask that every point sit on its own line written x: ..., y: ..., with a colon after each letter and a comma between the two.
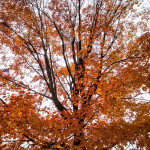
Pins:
x: 76, y: 69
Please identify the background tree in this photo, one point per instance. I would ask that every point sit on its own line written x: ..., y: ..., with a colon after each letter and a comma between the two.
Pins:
x: 86, y: 59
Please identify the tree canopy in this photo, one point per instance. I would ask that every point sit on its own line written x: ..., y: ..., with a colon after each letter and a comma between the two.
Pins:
x: 75, y: 71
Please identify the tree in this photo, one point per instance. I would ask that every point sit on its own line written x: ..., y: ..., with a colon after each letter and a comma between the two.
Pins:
x: 88, y: 61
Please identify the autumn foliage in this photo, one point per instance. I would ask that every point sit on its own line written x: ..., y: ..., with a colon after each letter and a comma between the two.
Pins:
x: 77, y: 71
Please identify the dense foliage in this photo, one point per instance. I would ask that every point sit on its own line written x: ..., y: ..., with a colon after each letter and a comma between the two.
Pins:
x: 75, y: 70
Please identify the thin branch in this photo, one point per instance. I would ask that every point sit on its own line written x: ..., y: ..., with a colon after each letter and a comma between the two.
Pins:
x: 3, y: 102
x: 15, y: 141
x: 20, y: 84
